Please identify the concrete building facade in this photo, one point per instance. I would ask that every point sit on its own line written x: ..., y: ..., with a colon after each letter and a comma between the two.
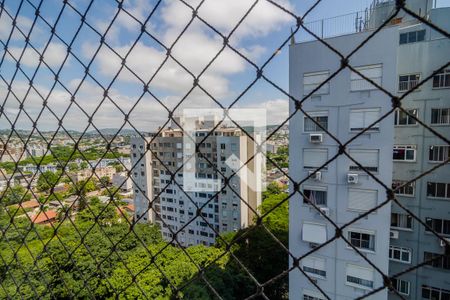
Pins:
x: 396, y: 58
x: 222, y: 210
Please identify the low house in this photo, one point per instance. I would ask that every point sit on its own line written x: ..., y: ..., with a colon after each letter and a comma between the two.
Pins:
x: 30, y: 204
x: 45, y: 217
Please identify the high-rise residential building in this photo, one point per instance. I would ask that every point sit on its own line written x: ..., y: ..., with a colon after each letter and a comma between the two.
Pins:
x: 394, y: 150
x: 158, y: 177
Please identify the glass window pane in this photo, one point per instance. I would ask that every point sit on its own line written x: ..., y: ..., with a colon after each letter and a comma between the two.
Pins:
x: 412, y: 37
x: 421, y: 35
x: 403, y: 38
x: 440, y: 190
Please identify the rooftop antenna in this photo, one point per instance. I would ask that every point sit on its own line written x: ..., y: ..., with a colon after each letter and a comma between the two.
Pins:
x: 292, y: 37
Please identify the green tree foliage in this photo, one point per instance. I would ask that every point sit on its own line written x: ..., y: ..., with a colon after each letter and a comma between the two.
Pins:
x: 257, y: 248
x: 281, y: 158
x: 14, y: 194
x: 82, y: 187
x: 79, y: 261
x: 46, y: 181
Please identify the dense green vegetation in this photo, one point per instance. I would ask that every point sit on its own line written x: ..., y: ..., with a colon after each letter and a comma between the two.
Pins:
x: 13, y: 195
x: 63, y: 154
x: 80, y: 261
x: 281, y: 158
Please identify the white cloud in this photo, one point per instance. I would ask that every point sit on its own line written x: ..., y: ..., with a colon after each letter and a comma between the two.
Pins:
x: 23, y: 23
x: 277, y: 110
x: 53, y: 56
x: 197, y: 46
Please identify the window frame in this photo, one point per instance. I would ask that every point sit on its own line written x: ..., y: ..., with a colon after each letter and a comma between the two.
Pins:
x: 315, y: 115
x: 413, y: 111
x: 372, y: 239
x: 316, y: 150
x: 435, y: 196
x: 317, y: 273
x: 408, y: 220
x: 443, y: 263
x: 445, y: 80
x: 401, y: 250
x: 355, y: 168
x: 430, y: 289
x: 440, y: 116
x: 326, y: 86
x: 355, y: 77
x: 375, y: 128
x: 441, y: 149
x: 417, y: 34
x: 316, y: 189
x: 409, y: 82
x: 359, y: 284
x: 411, y: 185
x: 396, y: 282
x: 443, y: 230
x: 406, y: 148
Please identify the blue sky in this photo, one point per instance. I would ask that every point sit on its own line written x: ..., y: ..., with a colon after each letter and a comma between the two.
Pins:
x: 259, y: 34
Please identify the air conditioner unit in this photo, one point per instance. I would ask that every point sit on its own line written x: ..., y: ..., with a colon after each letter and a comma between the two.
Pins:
x: 313, y: 245
x: 393, y: 234
x: 325, y: 211
x: 315, y: 138
x: 443, y: 243
x: 315, y: 175
x: 352, y: 178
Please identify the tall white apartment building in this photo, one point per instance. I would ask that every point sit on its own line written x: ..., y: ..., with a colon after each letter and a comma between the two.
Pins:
x: 173, y: 207
x: 395, y: 150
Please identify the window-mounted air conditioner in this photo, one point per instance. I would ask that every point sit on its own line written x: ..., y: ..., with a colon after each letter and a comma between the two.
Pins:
x: 315, y: 175
x: 393, y: 234
x: 315, y: 138
x: 352, y: 178
x: 443, y: 243
x: 325, y: 211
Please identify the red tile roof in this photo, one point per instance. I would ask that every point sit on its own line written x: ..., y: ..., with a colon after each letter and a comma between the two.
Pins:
x: 30, y: 204
x: 43, y: 217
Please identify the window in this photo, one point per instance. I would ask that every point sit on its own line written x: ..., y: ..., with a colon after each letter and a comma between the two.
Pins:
x: 402, y: 286
x: 313, y: 80
x: 401, y: 188
x: 404, y: 153
x: 433, y: 293
x: 314, y: 233
x: 359, y: 277
x: 362, y: 200
x: 438, y: 190
x: 361, y: 119
x: 439, y: 153
x: 401, y: 221
x: 437, y: 260
x: 400, y: 254
x: 367, y: 158
x: 442, y: 79
x: 314, y: 266
x: 312, y: 295
x: 403, y: 119
x: 408, y: 82
x: 441, y: 226
x: 320, y: 117
x: 317, y: 197
x: 440, y: 116
x: 373, y: 72
x: 314, y: 158
x: 412, y: 37
x: 362, y: 239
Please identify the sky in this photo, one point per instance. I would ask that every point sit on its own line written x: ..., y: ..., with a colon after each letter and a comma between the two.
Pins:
x: 262, y: 31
